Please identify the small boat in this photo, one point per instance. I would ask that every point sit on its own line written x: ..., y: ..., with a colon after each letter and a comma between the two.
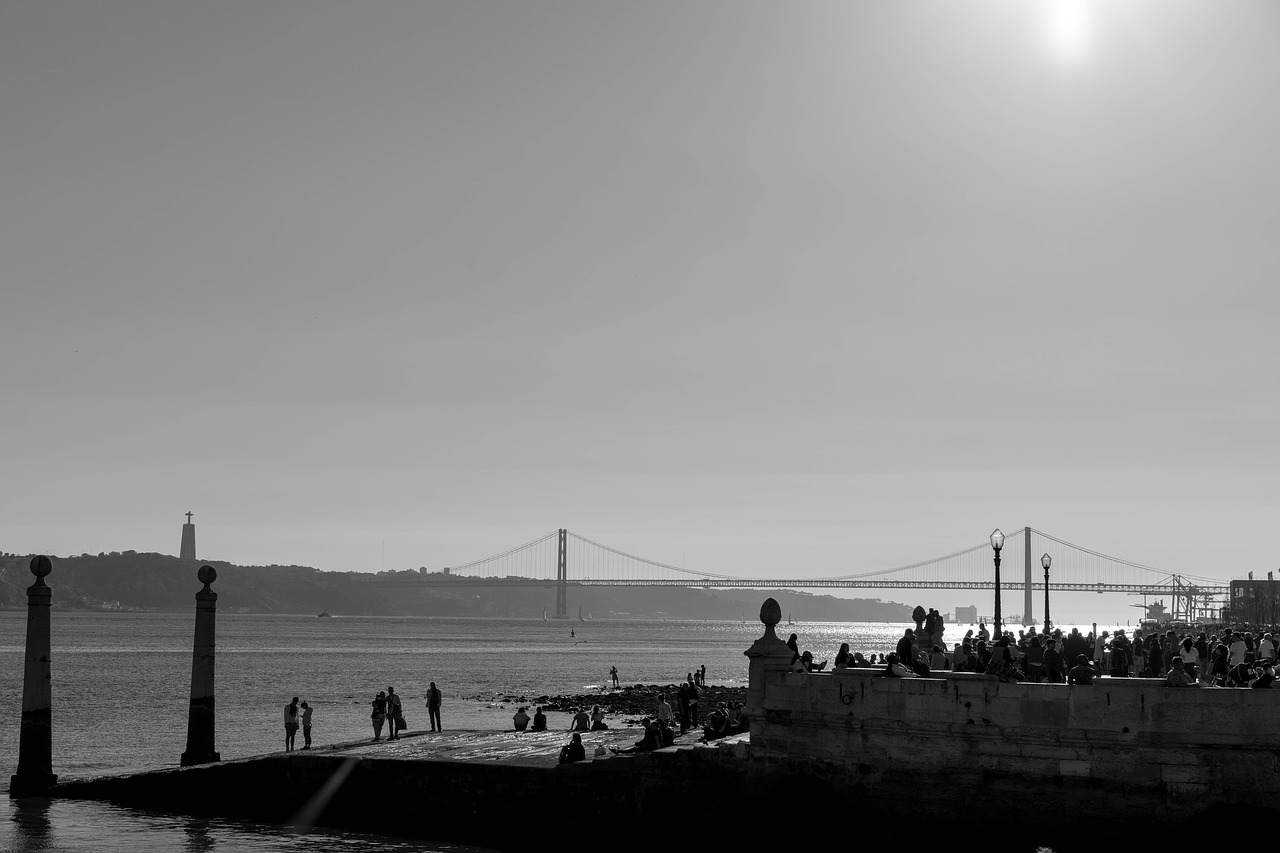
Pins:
x: 323, y: 613
x: 790, y: 621
x: 580, y: 619
x: 544, y: 614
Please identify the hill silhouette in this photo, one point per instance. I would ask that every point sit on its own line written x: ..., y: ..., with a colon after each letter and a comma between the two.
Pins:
x: 131, y: 580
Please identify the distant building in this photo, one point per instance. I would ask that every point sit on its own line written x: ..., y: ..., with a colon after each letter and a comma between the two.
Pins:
x: 188, y: 551
x: 1255, y: 601
x: 967, y: 615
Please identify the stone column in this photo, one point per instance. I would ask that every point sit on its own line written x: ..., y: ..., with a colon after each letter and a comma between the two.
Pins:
x: 200, y: 714
x: 769, y: 653
x: 35, y: 748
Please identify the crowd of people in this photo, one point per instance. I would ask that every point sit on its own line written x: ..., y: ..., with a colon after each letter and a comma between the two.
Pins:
x: 1229, y: 657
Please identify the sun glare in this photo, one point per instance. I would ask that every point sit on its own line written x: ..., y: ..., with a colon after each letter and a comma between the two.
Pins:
x: 1068, y: 29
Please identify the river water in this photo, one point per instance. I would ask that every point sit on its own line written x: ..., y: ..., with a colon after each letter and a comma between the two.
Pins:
x: 121, y: 685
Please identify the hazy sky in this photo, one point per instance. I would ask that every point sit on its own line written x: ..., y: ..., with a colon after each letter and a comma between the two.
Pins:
x: 763, y: 288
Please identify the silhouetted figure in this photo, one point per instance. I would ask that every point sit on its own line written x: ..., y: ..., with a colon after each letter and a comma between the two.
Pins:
x: 521, y: 719
x: 379, y: 715
x: 539, y: 721
x: 306, y: 726
x: 433, y: 707
x: 395, y: 714
x: 1082, y: 673
x: 613, y: 672
x: 581, y: 722
x: 290, y: 724
x: 573, y: 750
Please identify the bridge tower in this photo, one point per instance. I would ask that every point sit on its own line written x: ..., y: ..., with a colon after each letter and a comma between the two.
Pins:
x: 562, y: 577
x: 1028, y: 583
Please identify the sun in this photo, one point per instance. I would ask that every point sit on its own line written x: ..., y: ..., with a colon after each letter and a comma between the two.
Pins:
x: 1068, y: 29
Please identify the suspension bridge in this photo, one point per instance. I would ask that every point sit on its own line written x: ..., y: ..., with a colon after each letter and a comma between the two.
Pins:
x: 564, y: 558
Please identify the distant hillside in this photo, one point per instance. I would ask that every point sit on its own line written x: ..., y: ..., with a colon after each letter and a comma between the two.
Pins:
x: 142, y: 581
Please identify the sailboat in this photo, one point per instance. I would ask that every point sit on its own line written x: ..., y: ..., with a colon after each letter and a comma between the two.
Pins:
x: 790, y: 621
x: 580, y: 619
x: 544, y: 614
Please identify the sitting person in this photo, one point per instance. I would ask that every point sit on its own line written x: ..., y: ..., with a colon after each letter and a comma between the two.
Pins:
x: 521, y: 719
x: 597, y: 719
x: 666, y: 737
x: 573, y: 750
x: 894, y: 667
x: 859, y: 660
x: 737, y: 719
x: 539, y: 721
x: 938, y: 660
x: 651, y: 740
x: 1266, y: 676
x: 1082, y: 673
x: 581, y: 722
x: 717, y: 725
x: 843, y: 658
x: 1178, y: 676
x: 805, y: 664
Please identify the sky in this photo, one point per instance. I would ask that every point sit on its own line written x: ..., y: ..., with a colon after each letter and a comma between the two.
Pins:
x: 756, y: 288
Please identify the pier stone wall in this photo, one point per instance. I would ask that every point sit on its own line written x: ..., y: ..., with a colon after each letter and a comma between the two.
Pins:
x: 1169, y: 749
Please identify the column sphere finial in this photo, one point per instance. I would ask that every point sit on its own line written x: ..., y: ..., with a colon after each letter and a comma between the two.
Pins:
x: 207, y: 575
x: 41, y: 566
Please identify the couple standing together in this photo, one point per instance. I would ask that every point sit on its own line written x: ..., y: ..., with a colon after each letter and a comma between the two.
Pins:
x: 293, y: 714
x: 387, y: 708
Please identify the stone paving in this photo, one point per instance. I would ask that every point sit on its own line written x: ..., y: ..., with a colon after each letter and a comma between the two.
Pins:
x: 527, y: 748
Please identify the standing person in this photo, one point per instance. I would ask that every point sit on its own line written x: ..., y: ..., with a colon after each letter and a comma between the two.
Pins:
x: 306, y: 726
x: 664, y: 710
x: 1121, y: 655
x: 702, y: 676
x: 433, y: 707
x: 395, y: 714
x: 1054, y: 665
x: 379, y: 715
x: 1238, y: 649
x: 613, y: 673
x: 290, y: 724
x: 693, y: 702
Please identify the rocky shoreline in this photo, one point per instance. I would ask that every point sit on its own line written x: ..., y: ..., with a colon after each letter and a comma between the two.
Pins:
x: 628, y: 703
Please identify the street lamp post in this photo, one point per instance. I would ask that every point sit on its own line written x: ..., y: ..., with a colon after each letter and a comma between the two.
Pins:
x: 997, y: 542
x: 1045, y: 561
